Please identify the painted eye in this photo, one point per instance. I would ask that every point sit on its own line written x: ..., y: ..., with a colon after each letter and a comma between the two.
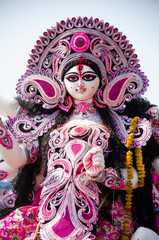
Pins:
x: 89, y: 77
x: 72, y: 78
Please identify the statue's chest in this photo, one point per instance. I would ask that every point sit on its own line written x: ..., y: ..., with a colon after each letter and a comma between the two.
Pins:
x: 69, y: 198
x: 71, y: 142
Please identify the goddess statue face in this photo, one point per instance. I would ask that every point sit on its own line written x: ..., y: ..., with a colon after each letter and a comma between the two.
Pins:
x: 81, y: 83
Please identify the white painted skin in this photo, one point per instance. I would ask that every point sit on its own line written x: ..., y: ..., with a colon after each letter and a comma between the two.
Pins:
x: 15, y: 157
x: 94, y: 161
x: 156, y: 165
x: 81, y: 84
x: 6, y: 168
x: 134, y: 181
x: 8, y: 106
x: 143, y: 233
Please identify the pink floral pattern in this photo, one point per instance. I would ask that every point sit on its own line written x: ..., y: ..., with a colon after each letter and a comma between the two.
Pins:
x: 19, y: 224
x: 155, y: 195
x: 112, y: 230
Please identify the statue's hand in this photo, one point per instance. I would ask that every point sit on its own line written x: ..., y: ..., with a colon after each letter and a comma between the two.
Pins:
x: 94, y: 162
x: 11, y: 151
x: 8, y: 106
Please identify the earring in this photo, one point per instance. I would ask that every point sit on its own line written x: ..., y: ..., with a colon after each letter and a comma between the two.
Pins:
x: 66, y: 104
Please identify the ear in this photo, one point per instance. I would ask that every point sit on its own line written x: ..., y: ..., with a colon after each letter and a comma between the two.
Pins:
x: 121, y: 87
x: 66, y: 104
x: 40, y: 87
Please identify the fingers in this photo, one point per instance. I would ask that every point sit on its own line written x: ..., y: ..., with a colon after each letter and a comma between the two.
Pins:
x: 94, y: 171
x: 98, y: 159
x: 94, y: 161
x: 92, y: 152
x: 95, y: 150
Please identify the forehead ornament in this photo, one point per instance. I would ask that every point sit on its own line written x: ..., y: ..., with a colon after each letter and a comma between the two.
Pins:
x: 80, y: 42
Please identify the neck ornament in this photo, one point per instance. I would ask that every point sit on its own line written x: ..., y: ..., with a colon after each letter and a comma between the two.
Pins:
x: 84, y: 109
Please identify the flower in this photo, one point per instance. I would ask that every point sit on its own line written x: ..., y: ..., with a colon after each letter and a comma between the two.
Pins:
x: 83, y: 106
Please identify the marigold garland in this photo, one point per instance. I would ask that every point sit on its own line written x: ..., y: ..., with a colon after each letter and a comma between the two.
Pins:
x: 140, y: 167
x: 141, y: 175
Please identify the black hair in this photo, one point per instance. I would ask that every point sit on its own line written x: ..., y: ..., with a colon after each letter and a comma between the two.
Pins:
x: 83, y: 61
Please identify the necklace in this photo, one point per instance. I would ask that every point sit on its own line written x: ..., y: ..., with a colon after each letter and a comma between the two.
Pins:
x: 84, y: 109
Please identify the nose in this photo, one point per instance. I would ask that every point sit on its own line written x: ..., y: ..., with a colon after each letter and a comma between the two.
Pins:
x: 80, y: 83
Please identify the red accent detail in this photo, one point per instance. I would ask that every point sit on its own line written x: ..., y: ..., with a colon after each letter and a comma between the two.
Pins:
x: 79, y: 68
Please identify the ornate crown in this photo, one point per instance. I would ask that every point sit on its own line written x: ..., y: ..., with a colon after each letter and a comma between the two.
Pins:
x: 85, y: 38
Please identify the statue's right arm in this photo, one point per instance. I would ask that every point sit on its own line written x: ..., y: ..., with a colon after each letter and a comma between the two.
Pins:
x: 13, y: 153
x: 8, y: 106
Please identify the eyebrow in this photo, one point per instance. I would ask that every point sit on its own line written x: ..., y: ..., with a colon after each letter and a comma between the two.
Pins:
x: 82, y: 73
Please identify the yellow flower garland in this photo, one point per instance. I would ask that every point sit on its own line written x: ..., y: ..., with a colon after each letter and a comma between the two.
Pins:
x: 140, y: 167
x: 141, y: 175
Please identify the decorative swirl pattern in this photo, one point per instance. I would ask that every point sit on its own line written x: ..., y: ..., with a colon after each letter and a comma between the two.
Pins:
x: 33, y: 152
x: 89, y: 39
x: 5, y: 138
x: 62, y: 50
x: 8, y: 200
x: 120, y: 126
x: 122, y: 53
x: 69, y: 199
x: 142, y: 133
x: 111, y: 179
x: 40, y: 87
x: 27, y: 129
x: 120, y: 88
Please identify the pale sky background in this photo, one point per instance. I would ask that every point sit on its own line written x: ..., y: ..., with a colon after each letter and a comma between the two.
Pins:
x: 22, y: 22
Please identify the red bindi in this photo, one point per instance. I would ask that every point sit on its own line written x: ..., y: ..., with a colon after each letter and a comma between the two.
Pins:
x: 79, y: 68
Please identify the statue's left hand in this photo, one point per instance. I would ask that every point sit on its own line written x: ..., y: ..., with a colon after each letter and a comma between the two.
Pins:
x: 94, y: 161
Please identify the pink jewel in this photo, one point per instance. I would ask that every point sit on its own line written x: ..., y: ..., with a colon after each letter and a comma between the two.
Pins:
x: 83, y: 106
x: 79, y: 129
x: 80, y: 42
